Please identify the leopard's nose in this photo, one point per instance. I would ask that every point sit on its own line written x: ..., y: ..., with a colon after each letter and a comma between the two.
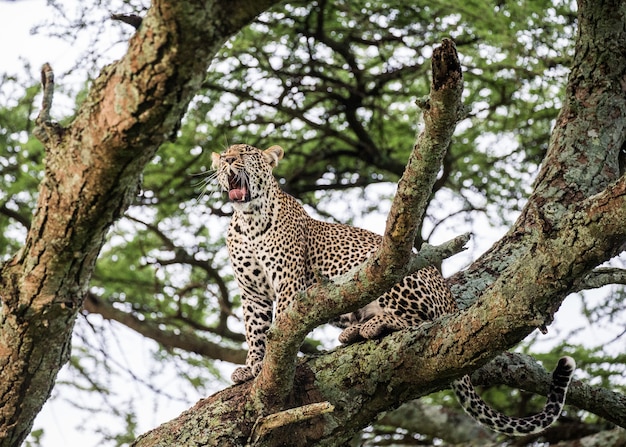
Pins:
x: 229, y: 159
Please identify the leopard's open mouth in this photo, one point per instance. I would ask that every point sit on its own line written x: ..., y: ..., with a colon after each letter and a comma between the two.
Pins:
x: 237, y: 188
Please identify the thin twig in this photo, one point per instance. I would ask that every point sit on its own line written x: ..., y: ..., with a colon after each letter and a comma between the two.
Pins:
x: 131, y: 19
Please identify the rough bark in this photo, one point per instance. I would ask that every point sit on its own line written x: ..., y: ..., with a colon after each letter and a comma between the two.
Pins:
x: 572, y: 223
x: 92, y: 173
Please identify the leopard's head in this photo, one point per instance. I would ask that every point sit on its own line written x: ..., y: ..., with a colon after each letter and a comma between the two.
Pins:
x: 245, y: 171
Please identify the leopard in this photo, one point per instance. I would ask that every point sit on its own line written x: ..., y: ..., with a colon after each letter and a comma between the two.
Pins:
x: 277, y: 250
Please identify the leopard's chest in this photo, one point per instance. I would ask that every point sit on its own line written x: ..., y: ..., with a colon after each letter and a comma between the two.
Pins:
x: 266, y: 248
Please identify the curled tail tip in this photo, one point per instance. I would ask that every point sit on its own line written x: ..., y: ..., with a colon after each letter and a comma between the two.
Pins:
x: 567, y: 362
x: 566, y: 366
x: 562, y: 376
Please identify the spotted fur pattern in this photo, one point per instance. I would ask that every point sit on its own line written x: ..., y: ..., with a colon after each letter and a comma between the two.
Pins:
x: 277, y: 249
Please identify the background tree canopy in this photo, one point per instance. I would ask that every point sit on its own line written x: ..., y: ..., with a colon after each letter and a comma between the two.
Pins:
x: 335, y: 84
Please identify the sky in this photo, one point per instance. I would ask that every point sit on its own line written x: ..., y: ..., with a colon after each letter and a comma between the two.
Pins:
x: 17, y: 18
x: 59, y: 418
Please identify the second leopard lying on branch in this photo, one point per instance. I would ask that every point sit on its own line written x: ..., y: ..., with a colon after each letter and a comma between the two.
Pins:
x: 276, y: 249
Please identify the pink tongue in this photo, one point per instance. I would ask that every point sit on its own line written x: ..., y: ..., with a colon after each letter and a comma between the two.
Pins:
x: 237, y: 194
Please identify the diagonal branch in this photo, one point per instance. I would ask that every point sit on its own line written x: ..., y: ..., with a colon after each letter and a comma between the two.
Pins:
x: 584, y: 149
x: 441, y: 113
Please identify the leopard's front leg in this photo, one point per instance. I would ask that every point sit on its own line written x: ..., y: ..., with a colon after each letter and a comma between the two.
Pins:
x: 257, y: 314
x: 264, y: 276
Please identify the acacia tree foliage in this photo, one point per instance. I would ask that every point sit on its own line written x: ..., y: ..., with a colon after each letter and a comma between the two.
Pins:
x: 333, y: 83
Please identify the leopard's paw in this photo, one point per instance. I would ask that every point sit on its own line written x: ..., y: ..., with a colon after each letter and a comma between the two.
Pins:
x: 381, y: 325
x: 374, y: 330
x: 351, y: 334
x: 245, y: 373
x: 242, y: 374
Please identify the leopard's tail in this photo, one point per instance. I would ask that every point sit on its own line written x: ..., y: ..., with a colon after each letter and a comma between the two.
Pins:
x: 485, y: 415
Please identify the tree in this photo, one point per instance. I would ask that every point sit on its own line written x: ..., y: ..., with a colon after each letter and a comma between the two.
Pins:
x: 92, y: 173
x: 547, y: 220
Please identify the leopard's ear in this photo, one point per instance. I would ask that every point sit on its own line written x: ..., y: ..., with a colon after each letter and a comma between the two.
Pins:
x: 215, y: 160
x: 273, y: 155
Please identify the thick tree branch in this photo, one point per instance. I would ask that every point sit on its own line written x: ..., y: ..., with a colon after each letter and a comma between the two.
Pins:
x: 583, y: 154
x: 441, y: 113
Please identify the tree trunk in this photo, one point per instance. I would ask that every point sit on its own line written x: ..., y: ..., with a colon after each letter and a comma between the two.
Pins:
x: 92, y: 174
